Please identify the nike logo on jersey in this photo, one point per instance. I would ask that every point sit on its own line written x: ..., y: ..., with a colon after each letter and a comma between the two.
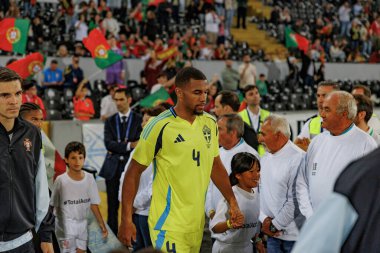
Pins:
x: 179, y: 139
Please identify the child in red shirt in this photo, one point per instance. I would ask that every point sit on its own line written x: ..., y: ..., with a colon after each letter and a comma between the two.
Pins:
x: 83, y: 106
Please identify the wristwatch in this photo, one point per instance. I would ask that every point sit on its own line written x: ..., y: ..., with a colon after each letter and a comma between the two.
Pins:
x: 272, y: 228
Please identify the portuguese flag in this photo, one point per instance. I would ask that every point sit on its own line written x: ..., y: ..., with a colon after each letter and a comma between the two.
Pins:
x: 156, y: 98
x: 98, y: 46
x: 14, y: 34
x: 293, y: 39
x: 28, y: 66
x: 168, y: 53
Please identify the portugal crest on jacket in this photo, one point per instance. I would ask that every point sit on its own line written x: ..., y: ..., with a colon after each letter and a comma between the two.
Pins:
x: 27, y: 144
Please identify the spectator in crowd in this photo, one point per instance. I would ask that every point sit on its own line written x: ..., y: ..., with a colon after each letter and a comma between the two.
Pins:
x: 164, y: 11
x: 227, y: 102
x: 30, y: 94
x: 62, y: 53
x: 308, y: 68
x: 230, y: 10
x: 279, y: 167
x: 336, y: 52
x: 81, y: 29
x: 212, y: 25
x: 25, y: 190
x: 107, y: 104
x: 364, y: 114
x: 115, y: 74
x: 121, y: 133
x: 230, y: 76
x: 330, y: 152
x: 110, y: 25
x: 212, y: 93
x: 344, y: 18
x: 83, y: 105
x: 153, y: 67
x: 53, y: 76
x: 162, y: 81
x: 365, y: 39
x: 247, y: 72
x: 38, y: 32
x: 73, y: 74
x: 242, y: 6
x: 150, y: 27
x: 262, y: 85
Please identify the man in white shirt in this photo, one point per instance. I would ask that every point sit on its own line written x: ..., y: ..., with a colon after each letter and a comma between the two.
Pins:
x: 374, y: 121
x: 313, y: 125
x: 364, y: 113
x: 330, y: 152
x: 212, y: 25
x: 279, y: 168
x: 231, y: 129
x: 107, y: 104
x: 247, y: 72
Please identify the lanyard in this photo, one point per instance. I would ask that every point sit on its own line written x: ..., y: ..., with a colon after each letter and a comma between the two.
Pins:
x: 250, y: 121
x: 118, y: 128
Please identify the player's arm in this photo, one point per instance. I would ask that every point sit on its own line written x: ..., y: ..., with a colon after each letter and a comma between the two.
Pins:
x: 127, y: 230
x: 99, y: 218
x: 220, y: 178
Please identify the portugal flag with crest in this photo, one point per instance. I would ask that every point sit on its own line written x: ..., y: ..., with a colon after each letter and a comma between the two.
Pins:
x: 98, y: 46
x: 14, y: 34
x: 28, y: 66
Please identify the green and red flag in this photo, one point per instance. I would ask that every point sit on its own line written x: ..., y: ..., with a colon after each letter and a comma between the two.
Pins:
x: 29, y: 65
x: 156, y: 98
x: 100, y: 50
x: 14, y: 34
x: 293, y: 39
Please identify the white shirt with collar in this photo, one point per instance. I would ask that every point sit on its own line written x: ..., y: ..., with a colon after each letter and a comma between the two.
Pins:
x: 121, y: 117
x: 255, y: 119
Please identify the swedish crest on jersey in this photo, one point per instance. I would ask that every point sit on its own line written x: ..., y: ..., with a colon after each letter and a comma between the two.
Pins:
x: 207, y: 135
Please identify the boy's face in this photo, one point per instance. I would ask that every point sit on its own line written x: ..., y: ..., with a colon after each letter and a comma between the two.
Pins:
x: 75, y: 161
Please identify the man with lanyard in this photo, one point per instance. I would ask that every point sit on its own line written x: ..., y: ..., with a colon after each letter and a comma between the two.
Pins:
x: 253, y: 115
x: 331, y: 151
x: 121, y: 133
x: 313, y: 125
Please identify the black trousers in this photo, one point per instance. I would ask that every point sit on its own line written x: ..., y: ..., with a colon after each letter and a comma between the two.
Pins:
x: 112, y: 186
x: 241, y: 14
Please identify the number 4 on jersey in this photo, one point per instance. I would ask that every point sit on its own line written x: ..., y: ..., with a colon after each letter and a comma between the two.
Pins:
x: 196, y: 157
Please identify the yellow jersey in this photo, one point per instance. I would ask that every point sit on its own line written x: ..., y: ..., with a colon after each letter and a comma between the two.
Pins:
x: 182, y: 154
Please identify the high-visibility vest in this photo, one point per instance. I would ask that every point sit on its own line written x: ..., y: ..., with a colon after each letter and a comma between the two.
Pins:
x: 263, y: 115
x: 315, y: 126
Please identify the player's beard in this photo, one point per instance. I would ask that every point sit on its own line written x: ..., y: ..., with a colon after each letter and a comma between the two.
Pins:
x: 198, y: 113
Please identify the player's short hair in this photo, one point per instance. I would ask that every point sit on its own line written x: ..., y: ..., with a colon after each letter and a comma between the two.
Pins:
x: 364, y: 104
x: 28, y: 107
x: 8, y: 75
x: 279, y: 124
x: 366, y: 90
x: 234, y: 122
x: 249, y: 88
x: 329, y: 83
x: 75, y: 146
x: 240, y: 163
x: 126, y: 91
x: 229, y: 98
x: 154, y: 111
x: 185, y: 75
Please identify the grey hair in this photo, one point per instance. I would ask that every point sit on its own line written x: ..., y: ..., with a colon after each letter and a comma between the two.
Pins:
x: 346, y: 103
x: 279, y: 124
x: 234, y: 122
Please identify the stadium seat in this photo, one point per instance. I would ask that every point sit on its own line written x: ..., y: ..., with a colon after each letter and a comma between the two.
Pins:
x: 52, y: 94
x: 53, y: 115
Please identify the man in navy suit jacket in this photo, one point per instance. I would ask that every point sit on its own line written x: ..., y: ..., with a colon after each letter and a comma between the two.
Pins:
x: 121, y: 133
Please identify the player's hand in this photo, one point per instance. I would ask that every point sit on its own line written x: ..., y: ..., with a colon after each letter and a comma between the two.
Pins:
x: 47, y: 247
x: 260, y: 247
x: 237, y: 217
x: 127, y: 233
x: 134, y: 144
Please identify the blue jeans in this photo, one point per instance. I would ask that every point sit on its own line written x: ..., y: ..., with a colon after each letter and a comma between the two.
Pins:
x: 276, y: 245
x: 142, y: 232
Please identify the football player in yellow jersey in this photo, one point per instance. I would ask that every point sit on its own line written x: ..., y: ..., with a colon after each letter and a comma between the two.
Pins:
x: 183, y: 145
